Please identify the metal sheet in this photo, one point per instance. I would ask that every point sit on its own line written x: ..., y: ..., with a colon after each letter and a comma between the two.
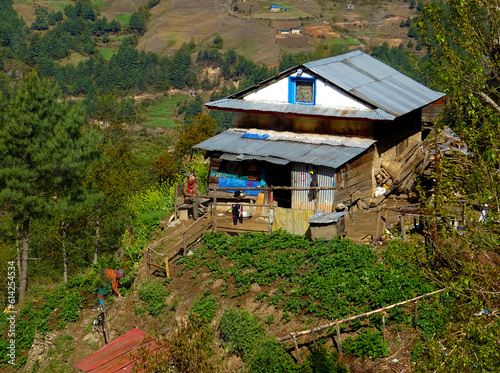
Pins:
x: 284, y: 147
x: 292, y: 221
x: 326, y: 218
x: 236, y: 104
x: 119, y: 355
x: 390, y: 92
x: 302, y: 178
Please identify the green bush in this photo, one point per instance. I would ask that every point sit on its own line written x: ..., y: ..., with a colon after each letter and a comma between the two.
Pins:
x: 154, y: 294
x: 367, y: 343
x: 70, y: 307
x: 205, y: 307
x: 270, y: 356
x: 321, y: 360
x: 241, y: 330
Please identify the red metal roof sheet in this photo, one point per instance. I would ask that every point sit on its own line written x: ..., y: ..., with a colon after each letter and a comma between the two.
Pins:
x: 119, y: 355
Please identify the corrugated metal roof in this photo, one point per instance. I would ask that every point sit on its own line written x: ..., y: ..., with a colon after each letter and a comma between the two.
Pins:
x: 278, y: 147
x: 373, y: 81
x: 284, y: 108
x: 119, y: 355
x: 390, y: 92
x: 243, y: 157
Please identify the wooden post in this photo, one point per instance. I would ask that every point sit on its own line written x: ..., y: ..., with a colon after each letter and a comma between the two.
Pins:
x: 214, y: 211
x: 338, y: 340
x: 167, y: 269
x: 403, y: 229
x: 383, y: 327
x: 184, y: 243
x: 378, y: 225
x: 296, y: 349
x: 176, y: 210
x: 271, y: 198
x: 148, y: 261
x: 316, y: 201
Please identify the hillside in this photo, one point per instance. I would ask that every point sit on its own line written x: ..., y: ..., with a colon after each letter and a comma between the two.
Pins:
x: 252, y: 30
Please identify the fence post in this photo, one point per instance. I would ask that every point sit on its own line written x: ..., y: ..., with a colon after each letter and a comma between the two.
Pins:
x: 148, y: 260
x: 214, y: 211
x: 167, y: 269
x: 296, y: 349
x: 403, y: 229
x: 176, y: 210
x: 338, y: 340
x: 383, y: 327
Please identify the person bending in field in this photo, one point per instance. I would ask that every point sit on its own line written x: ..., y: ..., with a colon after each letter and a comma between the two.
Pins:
x: 108, y: 278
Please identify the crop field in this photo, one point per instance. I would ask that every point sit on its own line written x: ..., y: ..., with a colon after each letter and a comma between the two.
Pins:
x: 327, y: 280
x: 106, y: 53
x: 123, y: 18
x: 161, y: 113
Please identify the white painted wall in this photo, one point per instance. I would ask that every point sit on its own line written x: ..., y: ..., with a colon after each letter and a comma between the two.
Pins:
x: 326, y: 95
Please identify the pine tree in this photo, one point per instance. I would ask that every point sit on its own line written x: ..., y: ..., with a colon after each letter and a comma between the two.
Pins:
x: 44, y: 154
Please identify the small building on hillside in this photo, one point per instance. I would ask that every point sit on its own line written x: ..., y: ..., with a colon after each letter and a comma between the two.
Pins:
x: 274, y: 8
x: 349, y: 122
x: 295, y: 30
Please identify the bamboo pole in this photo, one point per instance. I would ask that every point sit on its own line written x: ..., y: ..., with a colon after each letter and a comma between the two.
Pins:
x: 167, y: 269
x: 332, y: 324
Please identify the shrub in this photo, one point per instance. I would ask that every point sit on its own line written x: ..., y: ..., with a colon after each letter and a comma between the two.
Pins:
x: 241, y: 330
x: 269, y: 356
x: 154, y: 294
x: 367, y: 343
x: 321, y: 360
x: 205, y: 307
x: 70, y: 307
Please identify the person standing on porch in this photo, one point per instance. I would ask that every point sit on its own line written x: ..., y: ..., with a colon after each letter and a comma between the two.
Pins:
x: 191, y: 192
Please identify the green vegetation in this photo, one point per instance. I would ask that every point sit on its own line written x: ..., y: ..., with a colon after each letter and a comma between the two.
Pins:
x: 366, y: 343
x: 154, y: 295
x: 161, y: 112
x: 326, y: 279
x: 106, y: 53
x: 98, y: 3
x: 204, y: 308
x: 123, y: 18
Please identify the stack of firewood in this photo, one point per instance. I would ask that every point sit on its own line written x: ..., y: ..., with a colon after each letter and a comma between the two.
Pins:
x: 398, y: 176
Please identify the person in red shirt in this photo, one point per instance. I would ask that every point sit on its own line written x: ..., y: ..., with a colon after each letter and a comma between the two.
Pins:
x: 191, y: 194
x: 108, y: 278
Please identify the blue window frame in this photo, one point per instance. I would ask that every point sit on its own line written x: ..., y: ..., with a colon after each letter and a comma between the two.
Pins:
x: 302, y: 91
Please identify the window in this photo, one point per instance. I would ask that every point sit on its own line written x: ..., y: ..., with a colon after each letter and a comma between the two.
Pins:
x: 301, y: 91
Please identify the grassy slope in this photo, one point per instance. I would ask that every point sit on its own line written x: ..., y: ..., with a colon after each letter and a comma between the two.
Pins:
x: 161, y: 113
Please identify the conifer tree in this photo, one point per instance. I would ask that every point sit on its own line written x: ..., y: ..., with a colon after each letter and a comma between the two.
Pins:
x: 44, y: 154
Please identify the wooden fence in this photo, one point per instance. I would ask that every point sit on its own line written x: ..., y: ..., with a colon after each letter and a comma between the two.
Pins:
x: 295, y: 335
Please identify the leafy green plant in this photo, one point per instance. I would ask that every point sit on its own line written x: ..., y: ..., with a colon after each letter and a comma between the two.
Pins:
x: 71, y: 306
x: 240, y: 330
x: 269, y: 319
x: 205, y: 307
x: 154, y: 295
x: 322, y: 360
x: 270, y: 356
x: 366, y: 343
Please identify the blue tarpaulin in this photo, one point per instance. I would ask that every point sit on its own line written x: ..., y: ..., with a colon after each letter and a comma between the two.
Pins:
x: 225, y: 182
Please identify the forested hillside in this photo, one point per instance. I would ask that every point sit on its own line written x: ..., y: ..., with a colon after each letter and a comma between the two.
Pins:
x: 95, y: 130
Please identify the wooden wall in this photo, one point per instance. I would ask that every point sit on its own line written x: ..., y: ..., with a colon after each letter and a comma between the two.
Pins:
x: 356, y: 176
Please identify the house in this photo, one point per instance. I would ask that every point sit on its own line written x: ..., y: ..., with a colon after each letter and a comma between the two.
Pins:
x: 348, y: 122
x: 274, y: 8
x: 295, y: 30
x: 350, y: 6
